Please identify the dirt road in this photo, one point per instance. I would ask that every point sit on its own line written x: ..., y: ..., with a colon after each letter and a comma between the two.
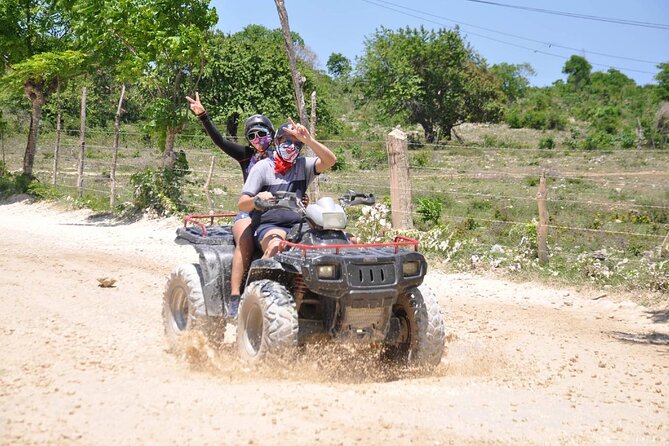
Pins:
x: 81, y: 364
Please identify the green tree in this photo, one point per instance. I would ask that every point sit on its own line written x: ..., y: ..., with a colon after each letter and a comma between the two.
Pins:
x: 662, y: 78
x: 247, y: 72
x: 514, y: 79
x: 577, y: 69
x: 429, y: 78
x: 159, y: 43
x: 339, y: 66
x: 38, y: 55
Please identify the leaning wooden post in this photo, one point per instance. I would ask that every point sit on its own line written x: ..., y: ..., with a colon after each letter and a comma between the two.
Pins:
x: 314, y: 188
x: 400, y: 185
x: 296, y: 76
x: 542, y: 227
x: 82, y: 144
x: 117, y: 137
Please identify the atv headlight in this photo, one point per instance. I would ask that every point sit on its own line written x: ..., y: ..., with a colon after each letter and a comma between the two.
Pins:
x: 334, y: 220
x: 326, y: 271
x: 411, y: 268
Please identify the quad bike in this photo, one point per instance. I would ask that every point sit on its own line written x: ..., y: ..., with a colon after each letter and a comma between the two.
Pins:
x: 318, y: 286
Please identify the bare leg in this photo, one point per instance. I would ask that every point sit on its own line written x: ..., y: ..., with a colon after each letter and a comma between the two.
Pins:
x: 243, y: 234
x: 270, y: 242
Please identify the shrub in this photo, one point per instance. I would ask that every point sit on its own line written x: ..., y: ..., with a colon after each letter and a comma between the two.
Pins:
x: 11, y: 183
x: 161, y: 190
x: 341, y: 159
x: 421, y: 159
x: 429, y: 210
x: 546, y: 143
x: 374, y: 158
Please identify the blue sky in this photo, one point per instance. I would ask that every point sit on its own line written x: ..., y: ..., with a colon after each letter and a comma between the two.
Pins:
x: 499, y: 34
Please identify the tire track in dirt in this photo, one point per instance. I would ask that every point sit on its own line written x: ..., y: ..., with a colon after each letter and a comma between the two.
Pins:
x: 88, y: 365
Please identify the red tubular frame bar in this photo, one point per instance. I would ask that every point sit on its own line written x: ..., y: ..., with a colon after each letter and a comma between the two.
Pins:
x: 398, y: 241
x: 192, y: 218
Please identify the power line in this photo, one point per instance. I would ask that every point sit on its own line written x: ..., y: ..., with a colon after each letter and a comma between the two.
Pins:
x: 578, y: 16
x: 534, y: 50
x: 549, y: 44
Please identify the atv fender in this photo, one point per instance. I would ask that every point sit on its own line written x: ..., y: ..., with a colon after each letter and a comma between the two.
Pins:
x: 269, y: 269
x: 216, y: 266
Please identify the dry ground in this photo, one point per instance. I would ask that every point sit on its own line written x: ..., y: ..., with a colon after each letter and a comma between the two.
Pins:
x: 87, y: 365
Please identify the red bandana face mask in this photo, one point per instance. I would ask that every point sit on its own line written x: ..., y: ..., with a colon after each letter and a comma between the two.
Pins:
x: 286, y: 154
x: 281, y: 166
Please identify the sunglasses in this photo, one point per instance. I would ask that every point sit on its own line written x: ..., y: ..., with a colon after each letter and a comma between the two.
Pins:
x: 253, y: 134
x: 297, y: 144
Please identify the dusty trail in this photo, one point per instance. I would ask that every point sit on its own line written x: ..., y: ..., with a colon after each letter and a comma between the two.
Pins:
x: 87, y: 365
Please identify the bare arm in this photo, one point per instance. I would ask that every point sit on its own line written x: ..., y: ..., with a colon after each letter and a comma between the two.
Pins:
x: 326, y: 158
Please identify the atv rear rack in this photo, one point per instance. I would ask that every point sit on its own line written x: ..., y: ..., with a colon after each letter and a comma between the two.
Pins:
x: 397, y: 242
x: 193, y: 218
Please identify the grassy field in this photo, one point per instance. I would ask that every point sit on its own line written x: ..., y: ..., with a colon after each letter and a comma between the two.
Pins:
x: 609, y: 209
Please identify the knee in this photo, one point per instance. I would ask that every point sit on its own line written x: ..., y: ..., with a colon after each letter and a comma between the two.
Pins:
x: 272, y: 246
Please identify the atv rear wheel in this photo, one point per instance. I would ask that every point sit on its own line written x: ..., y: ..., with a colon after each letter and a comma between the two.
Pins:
x: 267, y: 322
x: 184, y: 308
x: 422, y: 336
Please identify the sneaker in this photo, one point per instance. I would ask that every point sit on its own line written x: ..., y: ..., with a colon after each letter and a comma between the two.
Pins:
x: 233, y: 308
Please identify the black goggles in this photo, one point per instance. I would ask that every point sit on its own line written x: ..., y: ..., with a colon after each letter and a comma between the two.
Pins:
x: 253, y: 134
x: 297, y: 144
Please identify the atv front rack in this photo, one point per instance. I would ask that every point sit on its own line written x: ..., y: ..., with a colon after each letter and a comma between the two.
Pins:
x: 398, y: 241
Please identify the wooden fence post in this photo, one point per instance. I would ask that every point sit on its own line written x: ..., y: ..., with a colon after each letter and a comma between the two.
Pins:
x: 117, y: 137
x: 664, y: 247
x: 205, y: 187
x: 400, y: 185
x: 56, y: 150
x: 82, y: 145
x: 639, y: 134
x: 542, y: 227
x: 314, y: 188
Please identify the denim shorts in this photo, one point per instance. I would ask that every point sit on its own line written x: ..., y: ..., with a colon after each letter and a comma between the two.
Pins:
x: 264, y: 229
x: 241, y: 215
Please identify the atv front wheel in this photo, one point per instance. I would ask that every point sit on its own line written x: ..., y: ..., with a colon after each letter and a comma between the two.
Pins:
x: 184, y: 308
x: 267, y: 322
x: 422, y: 336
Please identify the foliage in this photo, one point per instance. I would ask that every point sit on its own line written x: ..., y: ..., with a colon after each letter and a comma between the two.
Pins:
x: 373, y: 223
x: 42, y: 71
x: 429, y: 78
x: 373, y: 159
x: 161, y: 190
x: 514, y: 79
x: 341, y: 163
x: 10, y: 183
x: 420, y: 159
x: 248, y: 72
x: 429, y: 210
x: 662, y: 78
x: 547, y: 143
x: 158, y: 44
x: 539, y: 109
x: 577, y: 69
x: 339, y: 66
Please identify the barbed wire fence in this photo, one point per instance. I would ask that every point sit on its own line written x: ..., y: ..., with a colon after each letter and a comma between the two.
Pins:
x: 634, y: 197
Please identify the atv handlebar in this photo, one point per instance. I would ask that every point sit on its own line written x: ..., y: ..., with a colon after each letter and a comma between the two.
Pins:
x: 282, y: 200
x: 352, y: 198
x: 289, y: 200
